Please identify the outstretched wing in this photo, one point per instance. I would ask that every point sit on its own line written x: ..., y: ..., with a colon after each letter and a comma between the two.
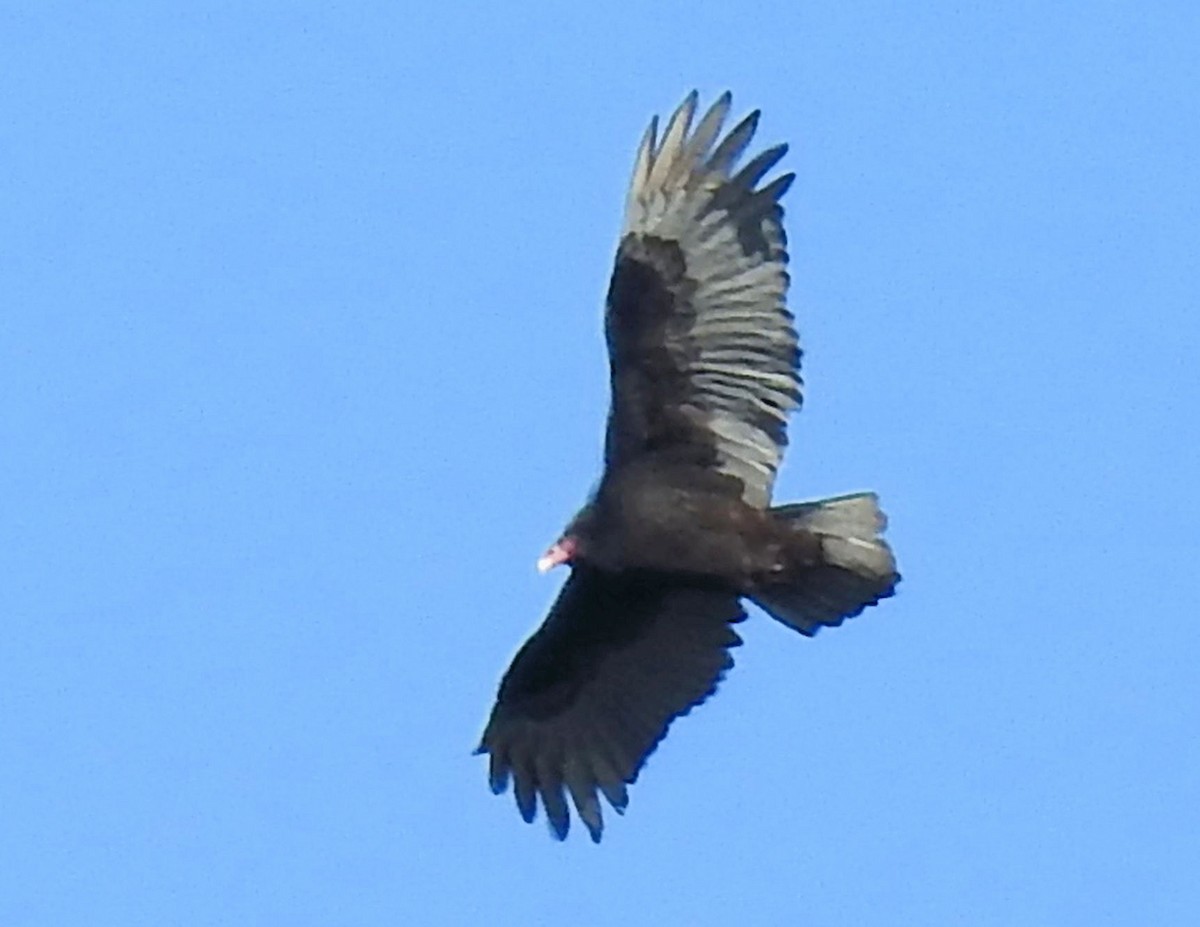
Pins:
x: 703, y: 352
x: 593, y: 691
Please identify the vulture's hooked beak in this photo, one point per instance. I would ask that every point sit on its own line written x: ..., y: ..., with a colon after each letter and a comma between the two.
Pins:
x: 561, y: 552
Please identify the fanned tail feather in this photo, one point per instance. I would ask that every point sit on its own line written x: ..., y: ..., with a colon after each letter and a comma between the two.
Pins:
x: 856, y: 567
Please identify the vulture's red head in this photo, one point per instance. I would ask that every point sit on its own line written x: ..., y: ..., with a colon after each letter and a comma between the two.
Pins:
x: 561, y: 551
x: 572, y: 544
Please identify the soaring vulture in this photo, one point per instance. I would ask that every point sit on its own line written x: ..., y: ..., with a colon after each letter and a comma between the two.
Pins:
x: 704, y: 372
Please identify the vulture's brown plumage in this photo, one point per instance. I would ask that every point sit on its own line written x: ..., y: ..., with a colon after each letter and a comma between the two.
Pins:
x: 704, y: 371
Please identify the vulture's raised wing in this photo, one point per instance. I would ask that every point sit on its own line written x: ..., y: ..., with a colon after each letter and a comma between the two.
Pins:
x: 704, y: 357
x: 592, y: 692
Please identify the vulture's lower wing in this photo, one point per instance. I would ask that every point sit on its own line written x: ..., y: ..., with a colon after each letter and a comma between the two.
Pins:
x: 592, y: 692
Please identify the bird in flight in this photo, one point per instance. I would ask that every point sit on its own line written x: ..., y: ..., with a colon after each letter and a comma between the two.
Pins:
x: 704, y: 363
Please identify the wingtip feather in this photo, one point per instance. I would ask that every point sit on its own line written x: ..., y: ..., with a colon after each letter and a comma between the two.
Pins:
x: 733, y: 145
x: 644, y: 162
x: 670, y: 159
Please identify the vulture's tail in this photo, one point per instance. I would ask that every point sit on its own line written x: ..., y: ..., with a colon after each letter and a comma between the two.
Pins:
x: 854, y: 566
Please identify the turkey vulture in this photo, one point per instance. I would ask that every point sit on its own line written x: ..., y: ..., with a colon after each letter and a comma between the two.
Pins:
x: 704, y: 372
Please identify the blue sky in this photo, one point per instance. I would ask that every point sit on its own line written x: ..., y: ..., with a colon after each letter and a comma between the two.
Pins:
x: 301, y: 368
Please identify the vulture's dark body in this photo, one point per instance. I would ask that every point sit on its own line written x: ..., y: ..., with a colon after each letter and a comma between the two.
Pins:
x: 704, y: 364
x: 679, y: 518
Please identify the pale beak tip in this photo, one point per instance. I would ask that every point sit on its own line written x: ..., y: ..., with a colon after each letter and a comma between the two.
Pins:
x: 561, y: 552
